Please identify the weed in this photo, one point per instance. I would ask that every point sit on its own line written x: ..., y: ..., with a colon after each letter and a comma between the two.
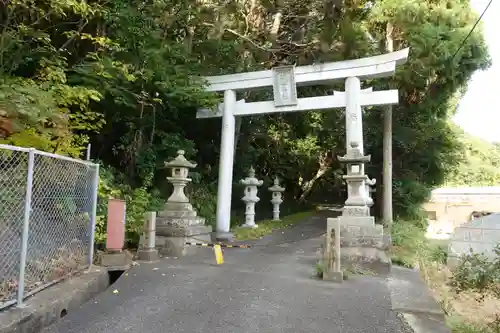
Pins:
x: 319, y: 270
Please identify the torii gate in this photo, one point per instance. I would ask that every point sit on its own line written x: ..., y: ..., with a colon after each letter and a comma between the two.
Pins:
x: 284, y: 81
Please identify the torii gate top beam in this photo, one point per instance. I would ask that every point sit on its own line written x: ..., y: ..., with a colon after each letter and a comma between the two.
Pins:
x: 364, y: 68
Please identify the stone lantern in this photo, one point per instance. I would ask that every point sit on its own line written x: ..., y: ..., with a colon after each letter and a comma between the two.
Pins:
x: 357, y: 200
x: 179, y: 178
x: 369, y: 184
x: 362, y: 242
x: 250, y: 199
x: 277, y: 198
x: 178, y: 222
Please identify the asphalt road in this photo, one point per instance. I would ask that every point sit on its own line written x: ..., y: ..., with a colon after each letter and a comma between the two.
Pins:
x: 265, y: 289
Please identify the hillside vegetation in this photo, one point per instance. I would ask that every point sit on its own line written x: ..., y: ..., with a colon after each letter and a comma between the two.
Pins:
x: 126, y: 76
x: 479, y: 164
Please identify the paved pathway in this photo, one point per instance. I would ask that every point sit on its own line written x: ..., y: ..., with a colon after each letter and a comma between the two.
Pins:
x: 265, y: 289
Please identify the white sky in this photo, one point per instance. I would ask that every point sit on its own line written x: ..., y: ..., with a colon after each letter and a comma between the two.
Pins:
x: 479, y: 110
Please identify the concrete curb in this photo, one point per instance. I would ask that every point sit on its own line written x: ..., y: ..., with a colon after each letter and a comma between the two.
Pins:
x: 49, y: 305
x: 411, y: 297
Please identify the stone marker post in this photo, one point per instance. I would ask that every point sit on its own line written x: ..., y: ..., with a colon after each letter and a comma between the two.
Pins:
x: 178, y: 223
x: 250, y: 199
x: 277, y: 198
x: 331, y: 257
x: 147, y: 250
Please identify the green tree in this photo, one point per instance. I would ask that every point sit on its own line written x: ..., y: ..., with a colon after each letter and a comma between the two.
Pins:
x: 127, y: 76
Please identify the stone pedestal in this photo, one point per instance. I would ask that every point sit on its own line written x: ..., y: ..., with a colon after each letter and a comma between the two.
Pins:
x: 179, y: 222
x: 363, y: 246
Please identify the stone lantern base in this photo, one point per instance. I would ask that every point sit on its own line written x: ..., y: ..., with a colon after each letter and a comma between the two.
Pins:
x: 177, y: 225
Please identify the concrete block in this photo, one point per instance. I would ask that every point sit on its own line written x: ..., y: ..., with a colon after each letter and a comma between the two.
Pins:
x: 123, y: 258
x: 175, y: 231
x: 361, y: 221
x: 176, y: 246
x: 333, y: 276
x: 225, y: 237
x: 148, y: 255
x: 366, y: 258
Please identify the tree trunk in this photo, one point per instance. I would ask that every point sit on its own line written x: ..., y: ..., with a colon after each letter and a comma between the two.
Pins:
x: 308, y: 185
x: 237, y: 133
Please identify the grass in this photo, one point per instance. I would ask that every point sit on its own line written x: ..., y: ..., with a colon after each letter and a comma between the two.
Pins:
x: 465, y: 314
x: 458, y: 325
x: 266, y: 227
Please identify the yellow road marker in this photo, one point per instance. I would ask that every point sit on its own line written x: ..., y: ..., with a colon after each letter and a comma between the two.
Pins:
x: 219, y: 258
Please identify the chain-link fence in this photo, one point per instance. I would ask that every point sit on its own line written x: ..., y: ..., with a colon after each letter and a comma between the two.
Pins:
x: 47, y: 220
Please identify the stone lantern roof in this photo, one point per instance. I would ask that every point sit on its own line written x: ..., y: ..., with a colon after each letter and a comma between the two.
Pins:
x: 251, y: 180
x: 180, y: 162
x: 276, y: 186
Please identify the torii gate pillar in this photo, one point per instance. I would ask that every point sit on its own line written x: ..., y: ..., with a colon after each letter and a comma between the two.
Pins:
x: 226, y: 164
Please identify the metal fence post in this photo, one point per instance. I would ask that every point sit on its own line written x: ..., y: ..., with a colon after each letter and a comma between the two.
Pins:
x: 25, y: 234
x: 95, y: 192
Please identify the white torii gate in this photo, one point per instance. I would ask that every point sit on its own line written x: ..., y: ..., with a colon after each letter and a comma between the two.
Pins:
x: 284, y: 81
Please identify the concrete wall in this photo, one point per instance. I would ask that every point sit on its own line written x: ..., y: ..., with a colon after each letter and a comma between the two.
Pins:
x: 450, y: 208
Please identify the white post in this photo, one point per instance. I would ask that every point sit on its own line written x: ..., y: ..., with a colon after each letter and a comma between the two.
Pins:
x: 353, y: 117
x: 26, y: 223
x: 93, y: 217
x: 147, y: 250
x: 151, y: 230
x: 226, y: 163
x: 337, y: 267
x: 87, y: 157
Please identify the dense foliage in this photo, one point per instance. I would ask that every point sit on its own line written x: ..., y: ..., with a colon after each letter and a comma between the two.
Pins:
x: 126, y: 76
x: 479, y: 163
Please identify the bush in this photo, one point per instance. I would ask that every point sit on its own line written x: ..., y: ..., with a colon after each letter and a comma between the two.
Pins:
x: 477, y: 273
x: 410, y: 246
x: 204, y: 200
x: 408, y: 242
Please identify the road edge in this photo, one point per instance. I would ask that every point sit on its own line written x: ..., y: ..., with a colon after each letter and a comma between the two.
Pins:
x: 422, y: 313
x: 49, y: 305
